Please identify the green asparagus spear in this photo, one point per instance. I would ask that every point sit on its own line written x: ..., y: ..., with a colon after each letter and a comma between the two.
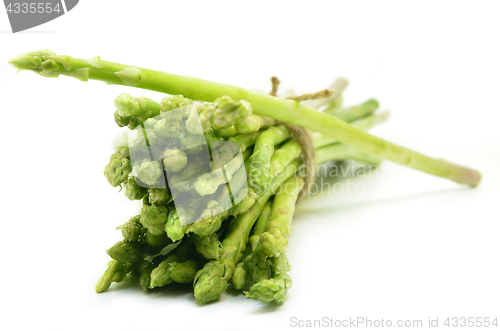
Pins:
x: 145, y: 269
x: 159, y: 196
x: 134, y: 111
x: 283, y: 156
x: 355, y: 112
x: 118, y: 168
x: 115, y: 273
x: 212, y: 217
x: 208, y: 246
x: 174, y: 102
x: 133, y: 230
x: 161, y: 275
x: 259, y: 175
x: 209, y: 183
x: 275, y: 240
x: 46, y: 63
x: 133, y: 191
x: 174, y: 160
x: 339, y: 151
x: 125, y: 252
x: 261, y: 225
x: 213, y: 278
x: 154, y: 218
x: 244, y: 140
x: 183, y: 272
x: 148, y: 172
x: 176, y: 267
x: 254, y: 267
x: 273, y: 289
x: 174, y: 227
x: 363, y: 123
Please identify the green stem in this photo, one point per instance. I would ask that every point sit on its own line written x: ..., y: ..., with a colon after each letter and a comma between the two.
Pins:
x: 351, y: 113
x: 337, y: 152
x: 288, y: 111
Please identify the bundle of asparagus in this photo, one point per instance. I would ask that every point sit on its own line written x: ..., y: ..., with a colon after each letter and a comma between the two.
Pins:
x: 217, y: 170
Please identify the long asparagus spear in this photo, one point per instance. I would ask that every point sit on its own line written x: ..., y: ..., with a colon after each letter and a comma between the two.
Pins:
x: 48, y: 64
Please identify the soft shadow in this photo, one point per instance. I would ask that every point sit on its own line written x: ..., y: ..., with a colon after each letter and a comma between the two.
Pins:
x: 233, y: 292
x: 130, y: 282
x: 172, y: 290
x: 268, y: 308
x: 346, y: 206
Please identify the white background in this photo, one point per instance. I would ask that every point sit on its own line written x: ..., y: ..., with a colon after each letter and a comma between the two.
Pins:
x: 412, y: 246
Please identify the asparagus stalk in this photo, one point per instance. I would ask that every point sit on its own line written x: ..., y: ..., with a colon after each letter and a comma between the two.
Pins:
x: 212, y: 219
x: 275, y: 240
x: 363, y: 123
x: 259, y: 175
x: 255, y: 265
x: 48, y: 64
x: 352, y: 113
x: 338, y: 151
x: 212, y: 279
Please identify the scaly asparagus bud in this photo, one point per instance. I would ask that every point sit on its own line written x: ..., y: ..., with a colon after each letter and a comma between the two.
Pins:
x: 120, y: 120
x: 160, y: 276
x: 148, y: 172
x: 273, y: 289
x: 208, y: 246
x: 158, y: 196
x: 154, y: 218
x: 174, y: 229
x: 134, y: 191
x: 174, y: 160
x: 115, y: 273
x: 118, y: 168
x: 125, y: 252
x: 133, y: 230
x: 173, y: 102
x: 212, y: 280
x: 226, y: 112
x: 183, y: 272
